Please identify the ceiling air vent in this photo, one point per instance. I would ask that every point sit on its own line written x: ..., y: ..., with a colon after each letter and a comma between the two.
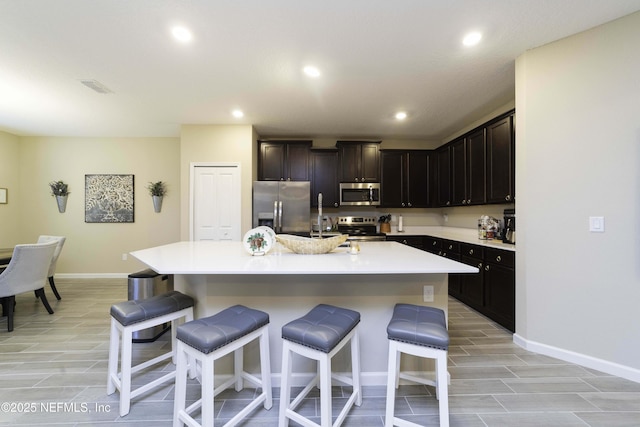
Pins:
x: 96, y: 85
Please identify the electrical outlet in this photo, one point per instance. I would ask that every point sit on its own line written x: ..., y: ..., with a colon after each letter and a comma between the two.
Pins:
x: 428, y: 293
x: 124, y: 257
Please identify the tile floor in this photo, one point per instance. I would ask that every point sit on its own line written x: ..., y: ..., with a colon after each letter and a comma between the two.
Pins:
x: 56, y: 366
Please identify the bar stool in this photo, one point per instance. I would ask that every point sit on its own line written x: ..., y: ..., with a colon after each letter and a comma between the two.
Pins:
x: 207, y: 340
x: 419, y: 331
x: 131, y: 316
x: 320, y: 335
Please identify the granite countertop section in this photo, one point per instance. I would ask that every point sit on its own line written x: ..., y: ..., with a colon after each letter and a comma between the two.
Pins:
x: 465, y: 235
x: 226, y: 257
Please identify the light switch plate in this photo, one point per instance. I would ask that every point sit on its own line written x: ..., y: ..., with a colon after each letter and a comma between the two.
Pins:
x: 596, y: 224
x: 428, y: 293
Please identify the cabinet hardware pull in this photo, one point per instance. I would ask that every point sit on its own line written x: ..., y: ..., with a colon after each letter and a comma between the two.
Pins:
x: 508, y: 197
x: 433, y: 243
x: 409, y: 204
x: 498, y: 258
x: 450, y: 247
x: 470, y: 251
x: 468, y: 201
x: 486, y: 268
x: 448, y: 203
x: 480, y: 266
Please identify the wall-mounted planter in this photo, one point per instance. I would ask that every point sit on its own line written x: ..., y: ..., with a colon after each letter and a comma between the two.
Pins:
x: 157, y: 203
x: 62, y: 203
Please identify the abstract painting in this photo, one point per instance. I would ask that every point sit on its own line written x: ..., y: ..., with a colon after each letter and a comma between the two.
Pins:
x: 108, y: 198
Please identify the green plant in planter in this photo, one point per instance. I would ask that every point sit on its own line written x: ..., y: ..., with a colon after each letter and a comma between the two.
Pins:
x: 157, y: 188
x: 59, y: 188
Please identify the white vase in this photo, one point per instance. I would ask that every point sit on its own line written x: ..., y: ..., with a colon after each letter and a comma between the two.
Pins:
x: 157, y: 203
x: 62, y: 203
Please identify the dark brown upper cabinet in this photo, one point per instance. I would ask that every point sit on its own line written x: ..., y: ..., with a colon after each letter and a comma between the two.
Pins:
x: 359, y: 161
x: 443, y: 175
x: 501, y: 161
x: 324, y: 177
x: 283, y: 160
x: 468, y: 169
x: 405, y: 178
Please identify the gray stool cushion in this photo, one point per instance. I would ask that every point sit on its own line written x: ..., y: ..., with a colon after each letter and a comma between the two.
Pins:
x: 213, y: 332
x: 414, y: 324
x: 322, y: 328
x: 130, y: 312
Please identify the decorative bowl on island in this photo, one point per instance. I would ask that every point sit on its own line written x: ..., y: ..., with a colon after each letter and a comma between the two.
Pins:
x: 310, y: 246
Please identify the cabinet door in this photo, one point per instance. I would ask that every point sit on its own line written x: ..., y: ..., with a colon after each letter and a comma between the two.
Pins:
x: 500, y: 162
x: 392, y: 182
x: 417, y: 183
x: 349, y: 162
x: 324, y: 177
x: 500, y: 294
x: 413, y: 241
x: 476, y: 168
x: 369, y: 163
x: 272, y: 159
x: 472, y: 284
x: 443, y: 165
x: 459, y: 172
x: 297, y: 162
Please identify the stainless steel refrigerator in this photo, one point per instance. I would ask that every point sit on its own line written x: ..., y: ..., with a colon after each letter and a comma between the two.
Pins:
x: 282, y: 205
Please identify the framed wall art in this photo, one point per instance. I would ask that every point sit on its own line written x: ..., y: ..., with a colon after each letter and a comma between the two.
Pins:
x: 3, y: 195
x: 108, y: 198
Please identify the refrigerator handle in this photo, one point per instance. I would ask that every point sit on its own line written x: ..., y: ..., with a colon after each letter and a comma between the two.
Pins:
x: 280, y: 214
x: 275, y: 216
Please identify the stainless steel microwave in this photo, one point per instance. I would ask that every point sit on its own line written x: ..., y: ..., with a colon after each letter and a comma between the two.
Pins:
x: 359, y: 194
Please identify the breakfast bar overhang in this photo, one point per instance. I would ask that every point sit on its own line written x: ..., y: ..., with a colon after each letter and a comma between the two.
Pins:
x: 287, y: 285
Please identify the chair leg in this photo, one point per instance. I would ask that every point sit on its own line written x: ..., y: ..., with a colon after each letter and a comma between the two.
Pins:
x: 53, y: 288
x: 43, y: 298
x: 8, y: 310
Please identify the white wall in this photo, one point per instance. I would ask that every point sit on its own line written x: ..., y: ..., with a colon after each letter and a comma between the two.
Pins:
x: 9, y: 179
x: 578, y: 155
x: 95, y: 248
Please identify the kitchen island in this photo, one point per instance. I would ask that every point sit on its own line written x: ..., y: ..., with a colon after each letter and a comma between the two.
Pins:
x: 287, y: 285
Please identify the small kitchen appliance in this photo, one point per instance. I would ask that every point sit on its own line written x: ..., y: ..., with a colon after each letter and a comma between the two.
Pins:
x: 509, y: 235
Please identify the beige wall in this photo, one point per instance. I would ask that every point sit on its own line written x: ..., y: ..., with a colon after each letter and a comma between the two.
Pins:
x: 97, y: 248
x: 578, y: 155
x: 223, y: 144
x: 9, y: 179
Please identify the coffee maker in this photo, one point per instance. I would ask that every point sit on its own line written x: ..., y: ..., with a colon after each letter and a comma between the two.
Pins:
x: 509, y: 234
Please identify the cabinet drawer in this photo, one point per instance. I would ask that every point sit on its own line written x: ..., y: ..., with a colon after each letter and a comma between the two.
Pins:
x: 497, y: 256
x: 432, y: 244
x: 472, y: 251
x: 450, y: 246
x: 413, y: 241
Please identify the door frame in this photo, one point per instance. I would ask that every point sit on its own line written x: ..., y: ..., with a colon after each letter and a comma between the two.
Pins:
x: 192, y: 170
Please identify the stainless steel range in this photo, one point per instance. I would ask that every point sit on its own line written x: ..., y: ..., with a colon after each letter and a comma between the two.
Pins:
x: 360, y: 228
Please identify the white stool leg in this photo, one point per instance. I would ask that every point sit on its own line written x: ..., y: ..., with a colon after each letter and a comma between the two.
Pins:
x: 285, y: 388
x: 114, y: 353
x: 265, y: 368
x: 392, y: 380
x: 180, y: 397
x: 355, y: 365
x: 127, y: 354
x: 238, y: 366
x: 208, y: 412
x: 325, y: 390
x: 442, y: 388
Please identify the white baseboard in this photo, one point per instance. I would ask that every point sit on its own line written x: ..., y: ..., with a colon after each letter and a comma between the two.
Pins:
x: 92, y: 275
x: 602, y: 365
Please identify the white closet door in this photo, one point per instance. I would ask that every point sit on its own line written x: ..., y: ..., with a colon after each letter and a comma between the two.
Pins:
x: 216, y: 203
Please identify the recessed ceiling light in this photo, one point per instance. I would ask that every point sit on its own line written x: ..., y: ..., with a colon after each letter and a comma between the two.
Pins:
x: 238, y: 114
x: 311, y: 71
x: 401, y: 115
x: 472, y: 39
x: 182, y: 34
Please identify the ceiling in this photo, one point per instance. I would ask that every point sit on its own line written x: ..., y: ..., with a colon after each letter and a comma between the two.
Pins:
x: 376, y: 57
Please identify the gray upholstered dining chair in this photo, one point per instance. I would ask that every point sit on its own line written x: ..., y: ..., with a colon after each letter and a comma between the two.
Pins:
x: 52, y: 268
x: 27, y: 271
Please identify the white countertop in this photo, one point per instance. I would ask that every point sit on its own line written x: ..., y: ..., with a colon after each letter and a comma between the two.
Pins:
x: 465, y: 235
x: 225, y: 257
